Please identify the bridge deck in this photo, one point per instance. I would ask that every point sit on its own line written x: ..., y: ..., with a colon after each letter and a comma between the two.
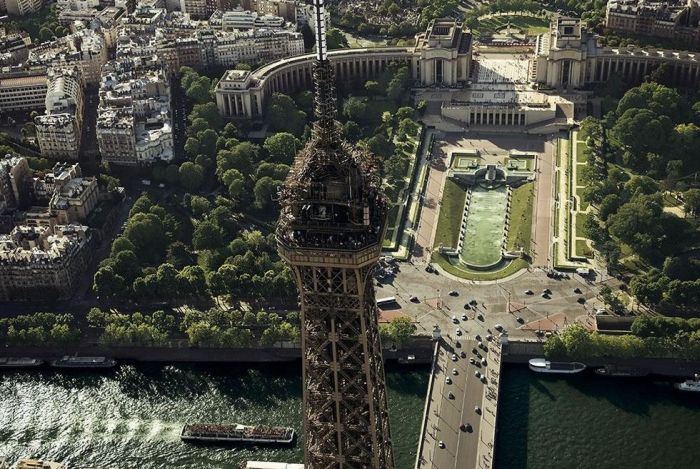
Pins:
x: 444, y: 414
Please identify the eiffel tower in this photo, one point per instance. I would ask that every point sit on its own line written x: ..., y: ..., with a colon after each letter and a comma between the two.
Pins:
x: 330, y: 232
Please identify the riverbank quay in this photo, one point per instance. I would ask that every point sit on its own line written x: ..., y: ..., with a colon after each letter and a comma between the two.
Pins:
x: 520, y: 351
x: 419, y: 351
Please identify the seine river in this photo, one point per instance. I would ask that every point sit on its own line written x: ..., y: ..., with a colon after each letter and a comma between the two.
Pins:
x: 589, y: 421
x: 131, y: 417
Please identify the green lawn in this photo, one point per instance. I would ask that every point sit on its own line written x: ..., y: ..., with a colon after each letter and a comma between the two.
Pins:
x: 580, y: 157
x: 359, y: 42
x: 510, y: 269
x: 580, y: 223
x: 582, y: 249
x: 447, y: 232
x: 521, y: 217
x: 583, y: 205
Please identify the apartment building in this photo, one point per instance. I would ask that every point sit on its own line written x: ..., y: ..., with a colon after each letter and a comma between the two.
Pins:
x: 670, y: 19
x: 46, y: 184
x: 22, y: 7
x: 244, y: 20
x: 106, y: 21
x: 198, y: 9
x: 59, y: 129
x: 284, y: 8
x: 15, y: 181
x: 22, y: 88
x: 85, y: 48
x: 38, y: 262
x: 134, y: 119
x: 77, y: 4
x: 255, y: 46
x: 297, y: 12
x: 75, y: 200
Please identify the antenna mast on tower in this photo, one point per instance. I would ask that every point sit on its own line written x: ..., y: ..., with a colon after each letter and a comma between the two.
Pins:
x: 325, y: 102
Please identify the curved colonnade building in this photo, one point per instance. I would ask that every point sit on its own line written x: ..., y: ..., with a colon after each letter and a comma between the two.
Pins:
x: 442, y: 57
x: 566, y: 58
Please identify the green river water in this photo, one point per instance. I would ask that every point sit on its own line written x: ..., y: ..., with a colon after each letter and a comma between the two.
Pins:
x: 131, y: 417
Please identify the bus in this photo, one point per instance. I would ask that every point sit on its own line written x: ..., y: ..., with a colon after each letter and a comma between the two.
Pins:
x: 389, y: 300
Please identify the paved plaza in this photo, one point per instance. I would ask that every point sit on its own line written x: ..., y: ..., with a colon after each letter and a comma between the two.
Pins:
x: 499, y: 302
x: 502, y: 68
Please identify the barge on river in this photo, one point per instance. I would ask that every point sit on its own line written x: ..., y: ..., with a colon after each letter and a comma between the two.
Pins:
x: 621, y: 371
x: 689, y: 385
x: 540, y: 365
x: 84, y: 362
x: 236, y: 433
x: 12, y: 362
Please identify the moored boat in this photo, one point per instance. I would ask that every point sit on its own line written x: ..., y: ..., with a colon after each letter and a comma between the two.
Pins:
x: 83, y: 362
x: 541, y: 365
x: 689, y: 385
x: 21, y: 362
x: 620, y: 371
x: 236, y: 433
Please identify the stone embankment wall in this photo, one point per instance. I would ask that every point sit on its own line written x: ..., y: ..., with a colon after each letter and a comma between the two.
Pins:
x: 418, y: 352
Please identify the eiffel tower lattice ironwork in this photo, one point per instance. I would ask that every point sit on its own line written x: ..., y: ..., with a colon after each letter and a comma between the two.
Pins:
x: 330, y: 232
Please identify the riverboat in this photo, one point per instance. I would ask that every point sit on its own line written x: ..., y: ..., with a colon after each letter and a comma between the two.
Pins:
x: 540, y: 365
x: 22, y: 362
x: 620, y: 371
x: 236, y: 433
x: 689, y: 385
x: 83, y: 362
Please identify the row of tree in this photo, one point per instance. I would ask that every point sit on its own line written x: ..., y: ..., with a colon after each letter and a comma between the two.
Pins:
x: 38, y: 329
x: 577, y: 343
x: 232, y: 328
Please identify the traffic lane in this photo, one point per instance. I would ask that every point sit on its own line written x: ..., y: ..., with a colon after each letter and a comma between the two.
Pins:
x: 460, y: 446
x: 449, y: 412
x: 467, y: 455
